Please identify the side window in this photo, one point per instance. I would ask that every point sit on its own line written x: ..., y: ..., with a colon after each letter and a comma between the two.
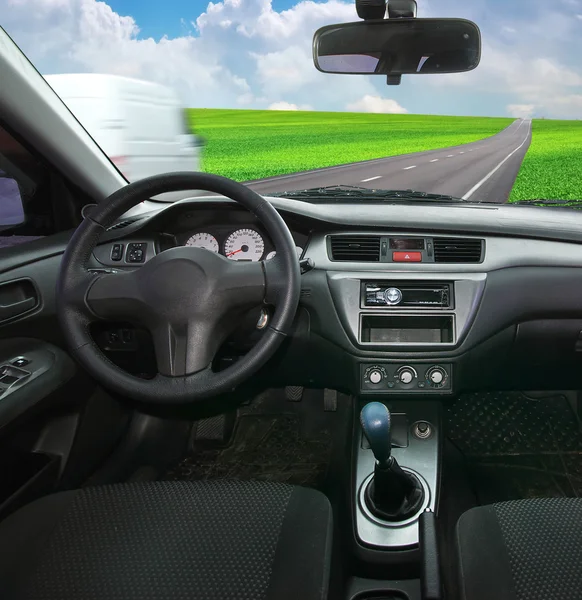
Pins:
x: 25, y: 201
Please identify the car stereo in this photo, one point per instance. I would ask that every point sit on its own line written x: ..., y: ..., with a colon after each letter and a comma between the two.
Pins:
x: 406, y: 295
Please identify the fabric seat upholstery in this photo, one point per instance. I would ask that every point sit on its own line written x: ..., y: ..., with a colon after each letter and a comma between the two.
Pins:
x: 525, y: 549
x: 169, y: 540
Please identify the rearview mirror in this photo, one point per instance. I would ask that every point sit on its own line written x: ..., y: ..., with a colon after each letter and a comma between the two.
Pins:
x: 11, y: 209
x: 398, y: 47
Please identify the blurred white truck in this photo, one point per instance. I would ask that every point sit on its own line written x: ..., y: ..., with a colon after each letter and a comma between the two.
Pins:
x: 141, y: 126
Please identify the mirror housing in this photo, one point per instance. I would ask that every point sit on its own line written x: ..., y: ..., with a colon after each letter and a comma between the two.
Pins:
x: 402, y: 46
x: 11, y: 205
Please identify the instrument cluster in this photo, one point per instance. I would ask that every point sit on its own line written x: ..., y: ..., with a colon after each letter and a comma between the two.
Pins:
x: 244, y: 243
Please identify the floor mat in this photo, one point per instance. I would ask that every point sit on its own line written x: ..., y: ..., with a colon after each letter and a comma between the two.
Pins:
x: 516, y: 446
x: 267, y: 447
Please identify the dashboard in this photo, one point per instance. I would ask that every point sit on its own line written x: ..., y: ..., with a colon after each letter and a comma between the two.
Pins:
x: 400, y: 302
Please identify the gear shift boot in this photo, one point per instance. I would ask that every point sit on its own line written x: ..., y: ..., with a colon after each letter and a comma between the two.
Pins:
x: 393, y: 494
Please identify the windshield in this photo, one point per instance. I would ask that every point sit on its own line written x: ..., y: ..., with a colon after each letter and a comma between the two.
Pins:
x: 231, y: 88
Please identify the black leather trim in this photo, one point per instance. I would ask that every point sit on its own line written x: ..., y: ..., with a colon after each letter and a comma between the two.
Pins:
x: 301, y: 569
x: 483, y: 559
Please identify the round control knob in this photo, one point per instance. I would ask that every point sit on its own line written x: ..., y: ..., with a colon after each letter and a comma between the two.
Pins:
x: 436, y: 376
x: 392, y: 296
x: 375, y: 376
x: 406, y: 375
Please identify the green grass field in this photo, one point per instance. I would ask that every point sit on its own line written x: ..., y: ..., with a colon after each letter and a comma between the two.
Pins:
x: 252, y: 144
x: 552, y: 167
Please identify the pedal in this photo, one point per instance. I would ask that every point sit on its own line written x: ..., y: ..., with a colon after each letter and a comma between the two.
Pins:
x: 214, y: 429
x: 294, y: 393
x: 329, y: 400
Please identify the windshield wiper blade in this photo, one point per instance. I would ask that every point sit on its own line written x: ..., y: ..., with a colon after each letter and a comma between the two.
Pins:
x: 349, y: 191
x: 550, y: 202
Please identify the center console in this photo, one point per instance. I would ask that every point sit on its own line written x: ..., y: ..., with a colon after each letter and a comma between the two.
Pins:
x: 406, y: 435
x: 410, y: 313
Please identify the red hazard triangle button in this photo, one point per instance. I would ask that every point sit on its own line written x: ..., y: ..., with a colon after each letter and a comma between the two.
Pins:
x: 407, y: 256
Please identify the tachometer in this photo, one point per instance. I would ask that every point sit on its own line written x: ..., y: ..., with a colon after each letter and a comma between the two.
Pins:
x: 244, y: 244
x: 203, y: 240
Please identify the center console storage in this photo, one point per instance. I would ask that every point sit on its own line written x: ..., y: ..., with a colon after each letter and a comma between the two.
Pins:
x: 407, y: 329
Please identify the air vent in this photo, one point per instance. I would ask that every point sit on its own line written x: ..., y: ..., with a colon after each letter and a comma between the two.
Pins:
x: 355, y: 248
x: 457, y: 250
x: 122, y: 224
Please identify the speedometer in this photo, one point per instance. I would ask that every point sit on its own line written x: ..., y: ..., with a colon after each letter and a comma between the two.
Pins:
x: 203, y: 240
x: 244, y: 244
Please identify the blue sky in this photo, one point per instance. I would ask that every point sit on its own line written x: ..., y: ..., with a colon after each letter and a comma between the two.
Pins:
x: 257, y: 53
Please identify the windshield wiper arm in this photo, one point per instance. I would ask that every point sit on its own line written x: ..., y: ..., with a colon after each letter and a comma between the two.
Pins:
x: 349, y: 191
x: 549, y: 202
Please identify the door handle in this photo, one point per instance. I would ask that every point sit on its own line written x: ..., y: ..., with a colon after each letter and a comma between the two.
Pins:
x: 8, y: 311
x: 17, y: 297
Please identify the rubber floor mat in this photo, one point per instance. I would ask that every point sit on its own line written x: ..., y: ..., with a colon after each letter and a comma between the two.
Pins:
x: 517, y: 447
x: 266, y: 448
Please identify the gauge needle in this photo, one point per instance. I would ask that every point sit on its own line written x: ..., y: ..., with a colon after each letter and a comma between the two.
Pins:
x: 234, y: 252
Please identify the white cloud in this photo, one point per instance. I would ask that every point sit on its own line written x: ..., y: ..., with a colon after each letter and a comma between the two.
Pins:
x: 375, y: 104
x: 239, y: 52
x: 282, y: 105
x: 244, y: 53
x: 520, y: 110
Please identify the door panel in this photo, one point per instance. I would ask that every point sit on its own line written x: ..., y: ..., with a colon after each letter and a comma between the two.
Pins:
x: 51, y: 412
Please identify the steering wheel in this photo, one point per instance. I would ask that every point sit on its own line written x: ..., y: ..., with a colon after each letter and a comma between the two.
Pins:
x: 190, y: 299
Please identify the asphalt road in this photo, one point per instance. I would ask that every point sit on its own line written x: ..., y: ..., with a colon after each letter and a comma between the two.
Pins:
x: 482, y: 171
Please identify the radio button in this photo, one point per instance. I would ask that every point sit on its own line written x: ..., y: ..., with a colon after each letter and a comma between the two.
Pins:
x: 407, y: 256
x: 392, y: 296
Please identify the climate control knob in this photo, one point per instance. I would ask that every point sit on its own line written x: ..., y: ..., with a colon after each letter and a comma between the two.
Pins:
x: 406, y: 375
x: 436, y: 376
x: 375, y: 376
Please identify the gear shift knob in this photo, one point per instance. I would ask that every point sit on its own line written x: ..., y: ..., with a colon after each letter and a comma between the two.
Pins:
x: 376, y: 422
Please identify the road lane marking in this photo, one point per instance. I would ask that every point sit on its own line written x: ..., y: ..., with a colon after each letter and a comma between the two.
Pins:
x: 406, y: 168
x: 470, y: 149
x: 450, y: 155
x: 461, y: 153
x: 371, y: 178
x: 434, y: 160
x: 323, y: 170
x: 520, y: 124
x: 491, y: 173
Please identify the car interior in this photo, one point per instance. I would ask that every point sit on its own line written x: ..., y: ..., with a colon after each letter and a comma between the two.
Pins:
x: 380, y: 401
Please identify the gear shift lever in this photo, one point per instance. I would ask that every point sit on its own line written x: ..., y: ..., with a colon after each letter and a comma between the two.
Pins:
x: 376, y: 422
x: 393, y: 494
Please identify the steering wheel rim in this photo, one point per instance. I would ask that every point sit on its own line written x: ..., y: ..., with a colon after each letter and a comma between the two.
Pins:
x: 175, y: 280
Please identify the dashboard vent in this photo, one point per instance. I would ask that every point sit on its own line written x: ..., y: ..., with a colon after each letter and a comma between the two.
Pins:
x: 457, y: 250
x: 122, y: 224
x: 355, y: 248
